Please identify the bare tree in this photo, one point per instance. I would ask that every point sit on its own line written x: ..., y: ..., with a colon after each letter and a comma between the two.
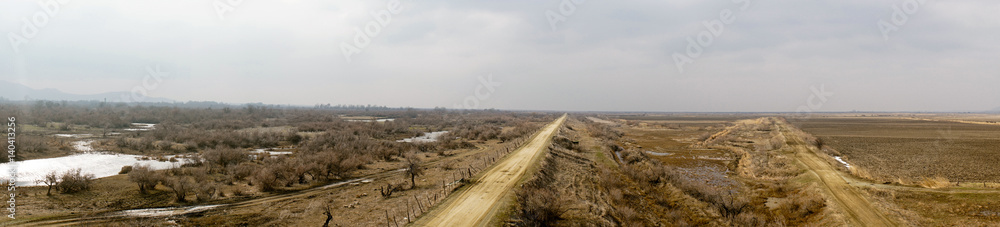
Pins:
x: 145, y: 177
x: 267, y: 180
x: 328, y: 211
x: 224, y: 157
x: 51, y: 180
x: 413, y: 168
x: 181, y: 186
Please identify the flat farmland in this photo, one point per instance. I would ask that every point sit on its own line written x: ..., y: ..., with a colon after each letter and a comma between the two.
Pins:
x: 891, y: 149
x: 689, y: 118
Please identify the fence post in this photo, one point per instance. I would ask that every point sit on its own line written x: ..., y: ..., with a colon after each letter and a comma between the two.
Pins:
x: 418, y: 204
x: 387, y: 218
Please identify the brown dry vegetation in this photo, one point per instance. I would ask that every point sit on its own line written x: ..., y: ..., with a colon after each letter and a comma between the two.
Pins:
x: 690, y: 186
x: 580, y: 183
x: 632, y: 170
x: 325, y: 149
x: 912, y: 151
x: 774, y: 184
x: 933, y: 166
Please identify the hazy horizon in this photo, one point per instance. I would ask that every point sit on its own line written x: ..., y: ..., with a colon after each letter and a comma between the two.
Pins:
x: 761, y: 56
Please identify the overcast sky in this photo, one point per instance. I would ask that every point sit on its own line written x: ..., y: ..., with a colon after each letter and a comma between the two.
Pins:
x: 542, y: 55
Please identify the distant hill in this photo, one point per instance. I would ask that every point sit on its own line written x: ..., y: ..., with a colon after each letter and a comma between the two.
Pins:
x: 16, y: 91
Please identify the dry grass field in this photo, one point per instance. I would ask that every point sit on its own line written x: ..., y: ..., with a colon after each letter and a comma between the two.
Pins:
x: 611, y: 170
x: 328, y: 170
x: 582, y: 183
x: 929, y: 170
x: 708, y: 170
x: 906, y: 150
x: 789, y: 176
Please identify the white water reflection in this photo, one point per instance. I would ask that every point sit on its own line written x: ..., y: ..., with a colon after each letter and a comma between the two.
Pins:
x: 141, y: 127
x: 427, y: 137
x: 272, y: 152
x: 653, y: 153
x: 101, y: 164
x: 83, y: 146
x: 73, y: 135
x: 369, y: 120
x: 842, y: 161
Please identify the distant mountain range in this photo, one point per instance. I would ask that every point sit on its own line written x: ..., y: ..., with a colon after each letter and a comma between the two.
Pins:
x: 16, y: 91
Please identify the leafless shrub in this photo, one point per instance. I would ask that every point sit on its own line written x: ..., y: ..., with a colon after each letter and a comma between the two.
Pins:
x: 605, y: 132
x: 629, y: 217
x: 521, y: 128
x: 266, y: 180
x: 413, y: 168
x: 73, y: 181
x: 387, y: 191
x: 243, y: 170
x: 145, y: 177
x: 51, y: 180
x: 298, y: 170
x: 181, y: 186
x: 633, y: 156
x: 224, y: 157
x: 125, y: 170
x: 206, y: 191
x: 753, y: 219
x: 538, y: 203
x: 798, y: 207
x: 539, y: 207
x: 729, y: 204
x: 566, y: 143
x: 32, y: 144
x: 333, y: 165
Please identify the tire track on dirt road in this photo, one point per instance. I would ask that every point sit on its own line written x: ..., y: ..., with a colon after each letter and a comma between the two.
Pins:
x: 475, y: 205
x: 860, y: 211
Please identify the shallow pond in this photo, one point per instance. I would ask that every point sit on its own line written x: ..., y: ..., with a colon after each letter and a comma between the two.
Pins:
x: 427, y: 137
x: 98, y: 163
x: 101, y: 164
x: 141, y: 127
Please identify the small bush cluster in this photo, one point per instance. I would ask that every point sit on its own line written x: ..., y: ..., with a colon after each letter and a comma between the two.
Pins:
x: 538, y: 203
x: 73, y: 181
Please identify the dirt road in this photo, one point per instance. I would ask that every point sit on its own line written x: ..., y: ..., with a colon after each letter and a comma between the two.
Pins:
x: 859, y: 211
x: 473, y: 206
x: 72, y: 220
